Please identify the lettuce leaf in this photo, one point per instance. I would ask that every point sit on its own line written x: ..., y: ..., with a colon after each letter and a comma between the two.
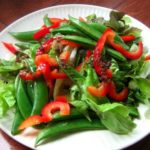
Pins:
x: 7, y: 95
x: 114, y: 116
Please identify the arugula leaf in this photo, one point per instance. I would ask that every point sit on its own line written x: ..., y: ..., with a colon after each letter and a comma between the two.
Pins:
x: 116, y: 21
x: 133, y: 31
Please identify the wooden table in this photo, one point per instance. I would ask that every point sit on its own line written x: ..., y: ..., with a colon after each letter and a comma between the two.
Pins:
x: 14, y: 9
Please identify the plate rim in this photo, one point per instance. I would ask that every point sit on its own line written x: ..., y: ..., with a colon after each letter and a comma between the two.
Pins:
x: 53, y: 7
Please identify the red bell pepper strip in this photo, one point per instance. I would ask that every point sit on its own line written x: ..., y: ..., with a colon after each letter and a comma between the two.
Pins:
x: 31, y: 121
x: 10, y: 47
x: 26, y: 75
x: 121, y: 96
x: 60, y: 103
x: 45, y: 59
x: 101, y: 91
x: 61, y: 98
x: 70, y: 43
x: 64, y: 56
x: 127, y: 38
x: 57, y: 75
x: 130, y: 55
x: 44, y: 30
x: 57, y: 20
x: 55, y: 106
x: 97, y: 54
x: 147, y: 57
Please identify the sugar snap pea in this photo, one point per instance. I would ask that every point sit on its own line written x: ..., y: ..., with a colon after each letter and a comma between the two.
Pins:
x: 18, y: 119
x: 23, y: 101
x: 40, y: 96
x: 102, y: 28
x: 67, y: 29
x: 30, y: 90
x: 60, y: 128
x: 80, y: 40
x: 24, y: 36
x: 115, y: 54
x: 84, y: 27
x: 47, y: 21
x: 24, y: 45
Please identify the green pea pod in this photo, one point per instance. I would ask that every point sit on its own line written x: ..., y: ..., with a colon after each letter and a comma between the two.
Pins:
x: 67, y: 29
x: 40, y: 96
x: 23, y: 101
x: 98, y: 26
x: 80, y: 40
x: 47, y: 21
x: 23, y: 45
x: 60, y: 128
x: 24, y: 36
x: 30, y: 90
x: 84, y: 27
x: 73, y: 115
x: 102, y: 28
x: 115, y: 54
x: 18, y: 119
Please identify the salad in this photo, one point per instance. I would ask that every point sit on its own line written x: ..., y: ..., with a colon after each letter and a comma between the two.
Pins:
x: 76, y: 74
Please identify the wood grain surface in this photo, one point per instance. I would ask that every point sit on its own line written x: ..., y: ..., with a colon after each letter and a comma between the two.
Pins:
x: 12, y: 10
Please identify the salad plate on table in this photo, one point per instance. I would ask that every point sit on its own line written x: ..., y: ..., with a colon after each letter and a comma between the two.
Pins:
x: 108, y: 137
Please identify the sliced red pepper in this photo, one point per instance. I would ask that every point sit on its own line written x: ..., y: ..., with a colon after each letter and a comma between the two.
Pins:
x: 57, y: 20
x: 31, y: 121
x: 127, y: 38
x: 60, y: 103
x: 44, y: 30
x: 130, y: 55
x: 10, y: 47
x: 45, y: 59
x: 57, y: 75
x: 70, y: 43
x: 97, y: 53
x: 26, y: 75
x: 121, y: 96
x: 55, y: 106
x: 101, y: 91
x: 147, y: 57
x: 81, y: 19
x: 64, y: 56
x: 47, y: 44
x: 61, y: 98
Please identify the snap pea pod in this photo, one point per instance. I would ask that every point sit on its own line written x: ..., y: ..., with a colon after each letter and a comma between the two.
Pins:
x: 18, y: 119
x: 84, y: 27
x: 102, y: 28
x: 60, y: 128
x: 67, y: 29
x: 94, y: 30
x: 40, y: 96
x: 24, y: 45
x: 80, y: 40
x: 73, y: 115
x: 115, y: 54
x: 24, y: 36
x: 23, y: 101
x: 30, y: 90
x: 47, y: 21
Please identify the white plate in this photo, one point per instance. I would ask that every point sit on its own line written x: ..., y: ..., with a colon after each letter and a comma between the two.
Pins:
x: 84, y: 140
